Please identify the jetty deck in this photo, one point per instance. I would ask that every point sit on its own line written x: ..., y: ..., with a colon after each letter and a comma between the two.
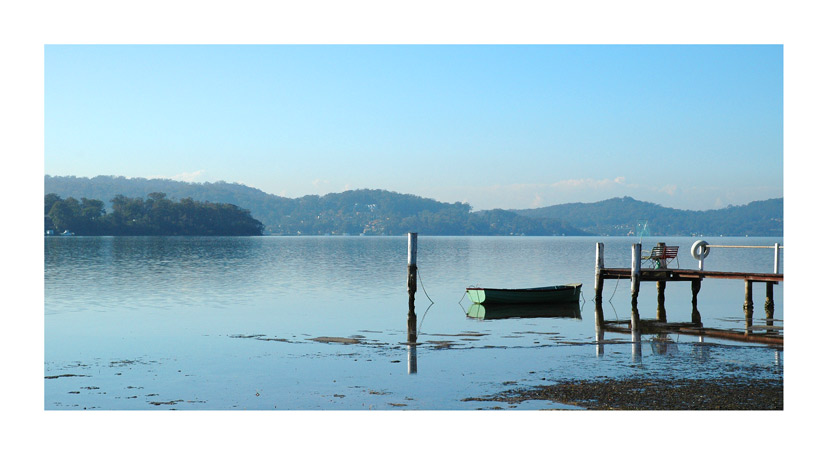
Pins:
x: 662, y: 275
x: 689, y: 275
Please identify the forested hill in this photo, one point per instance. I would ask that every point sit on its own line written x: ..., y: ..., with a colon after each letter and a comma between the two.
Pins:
x: 156, y: 215
x: 620, y: 216
x: 378, y: 212
x: 370, y: 212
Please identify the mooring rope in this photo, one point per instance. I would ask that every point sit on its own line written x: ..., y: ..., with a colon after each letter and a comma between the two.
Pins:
x: 610, y: 300
x: 613, y: 295
x: 420, y: 277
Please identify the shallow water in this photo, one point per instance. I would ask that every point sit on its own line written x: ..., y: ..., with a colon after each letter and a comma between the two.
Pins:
x: 319, y: 322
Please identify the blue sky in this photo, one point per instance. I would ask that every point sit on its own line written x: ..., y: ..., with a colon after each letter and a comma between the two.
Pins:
x: 508, y: 126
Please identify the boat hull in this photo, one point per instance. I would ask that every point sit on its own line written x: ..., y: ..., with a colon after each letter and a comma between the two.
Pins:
x: 490, y: 297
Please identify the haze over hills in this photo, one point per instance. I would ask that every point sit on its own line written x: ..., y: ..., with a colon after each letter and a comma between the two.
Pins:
x: 380, y: 212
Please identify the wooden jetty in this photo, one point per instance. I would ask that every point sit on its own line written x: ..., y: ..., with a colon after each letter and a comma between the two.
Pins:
x: 662, y: 275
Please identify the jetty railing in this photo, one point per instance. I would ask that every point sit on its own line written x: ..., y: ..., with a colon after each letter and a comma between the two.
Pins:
x: 700, y: 250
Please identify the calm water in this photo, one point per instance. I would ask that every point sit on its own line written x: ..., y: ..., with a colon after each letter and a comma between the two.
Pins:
x: 241, y: 323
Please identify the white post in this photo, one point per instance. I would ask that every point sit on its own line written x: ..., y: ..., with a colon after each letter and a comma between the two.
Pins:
x: 412, y: 248
x: 775, y: 258
x: 599, y: 262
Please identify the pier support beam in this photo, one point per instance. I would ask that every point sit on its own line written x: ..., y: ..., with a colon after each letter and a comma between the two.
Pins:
x: 635, y: 278
x: 661, y: 312
x: 599, y: 285
x: 695, y: 287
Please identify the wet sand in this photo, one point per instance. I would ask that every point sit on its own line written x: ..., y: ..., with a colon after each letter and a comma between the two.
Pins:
x: 654, y: 394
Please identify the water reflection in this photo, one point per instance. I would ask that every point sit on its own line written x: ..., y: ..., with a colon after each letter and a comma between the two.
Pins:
x: 701, y: 351
x: 636, y: 346
x: 556, y: 310
x: 412, y: 358
x: 662, y: 344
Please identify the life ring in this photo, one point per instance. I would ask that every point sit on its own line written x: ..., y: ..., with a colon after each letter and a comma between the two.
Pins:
x: 699, y: 250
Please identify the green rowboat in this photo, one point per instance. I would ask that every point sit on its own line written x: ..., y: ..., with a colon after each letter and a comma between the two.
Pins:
x: 548, y: 301
x: 546, y: 295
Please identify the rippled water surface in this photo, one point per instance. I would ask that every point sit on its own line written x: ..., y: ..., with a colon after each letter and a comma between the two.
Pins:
x: 320, y: 322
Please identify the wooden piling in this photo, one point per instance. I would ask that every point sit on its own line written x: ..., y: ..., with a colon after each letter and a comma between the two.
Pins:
x: 695, y: 287
x: 599, y: 285
x: 412, y: 286
x: 748, y: 295
x: 635, y: 278
x: 661, y: 312
x: 769, y: 300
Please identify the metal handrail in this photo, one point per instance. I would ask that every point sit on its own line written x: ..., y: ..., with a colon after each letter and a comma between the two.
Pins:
x: 743, y: 246
x: 777, y: 247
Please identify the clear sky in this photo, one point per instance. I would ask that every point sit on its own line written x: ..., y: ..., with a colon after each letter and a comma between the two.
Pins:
x: 506, y: 126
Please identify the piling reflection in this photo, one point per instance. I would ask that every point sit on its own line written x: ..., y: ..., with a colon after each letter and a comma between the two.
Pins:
x: 599, y: 341
x: 663, y: 344
x: 411, y: 346
x: 701, y: 351
x: 636, y: 346
x: 535, y: 310
x: 412, y: 358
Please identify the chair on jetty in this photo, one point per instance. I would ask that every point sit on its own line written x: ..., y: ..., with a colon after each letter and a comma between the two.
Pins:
x: 662, y: 255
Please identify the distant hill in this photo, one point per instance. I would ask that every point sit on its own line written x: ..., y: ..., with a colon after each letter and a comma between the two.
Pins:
x: 370, y: 212
x: 379, y: 212
x: 619, y: 216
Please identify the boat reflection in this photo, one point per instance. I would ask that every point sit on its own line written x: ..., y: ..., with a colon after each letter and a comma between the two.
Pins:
x: 531, y: 310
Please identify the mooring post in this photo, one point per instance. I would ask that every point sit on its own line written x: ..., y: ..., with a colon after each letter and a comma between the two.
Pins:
x: 695, y: 287
x: 599, y: 285
x: 661, y: 312
x: 635, y: 275
x: 412, y: 286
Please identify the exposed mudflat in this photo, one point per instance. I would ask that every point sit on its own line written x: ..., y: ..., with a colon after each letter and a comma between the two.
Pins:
x: 654, y: 394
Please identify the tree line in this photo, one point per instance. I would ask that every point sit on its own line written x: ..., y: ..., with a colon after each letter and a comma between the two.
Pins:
x: 155, y: 215
x: 619, y: 216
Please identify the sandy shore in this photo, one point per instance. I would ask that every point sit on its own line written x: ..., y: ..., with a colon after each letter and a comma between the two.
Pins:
x: 655, y: 394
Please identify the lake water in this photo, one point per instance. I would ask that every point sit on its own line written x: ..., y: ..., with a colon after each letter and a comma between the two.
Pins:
x: 320, y: 322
